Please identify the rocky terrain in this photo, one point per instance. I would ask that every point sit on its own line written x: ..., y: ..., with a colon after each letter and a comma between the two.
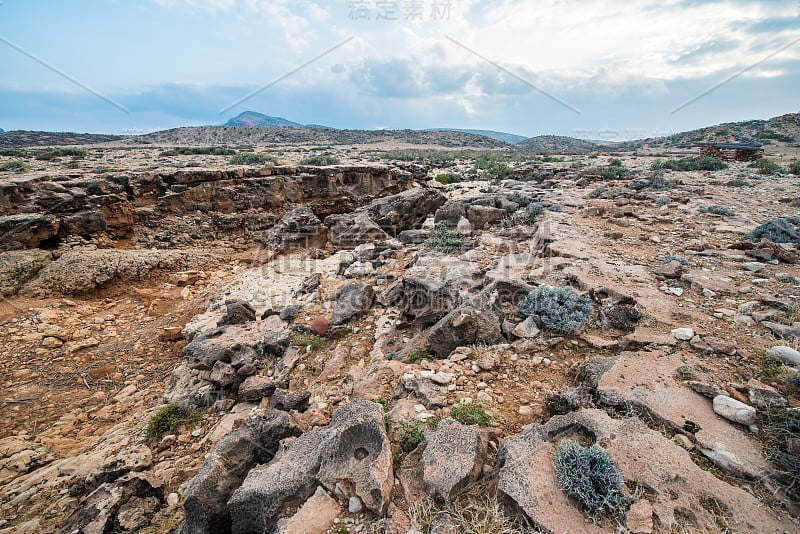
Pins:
x: 573, y: 344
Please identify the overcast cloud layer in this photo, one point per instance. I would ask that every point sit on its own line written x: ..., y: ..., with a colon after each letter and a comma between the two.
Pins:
x: 589, y: 68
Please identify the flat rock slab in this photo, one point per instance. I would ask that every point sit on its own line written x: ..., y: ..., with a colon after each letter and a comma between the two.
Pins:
x: 646, y: 458
x: 644, y: 381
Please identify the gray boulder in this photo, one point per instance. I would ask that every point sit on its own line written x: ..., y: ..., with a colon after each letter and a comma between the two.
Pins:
x: 468, y: 324
x: 351, y: 301
x: 226, y: 466
x: 350, y: 457
x: 299, y: 228
x: 237, y: 312
x: 452, y: 459
x: 351, y: 230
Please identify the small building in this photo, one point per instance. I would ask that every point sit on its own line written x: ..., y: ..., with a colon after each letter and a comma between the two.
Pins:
x: 732, y: 151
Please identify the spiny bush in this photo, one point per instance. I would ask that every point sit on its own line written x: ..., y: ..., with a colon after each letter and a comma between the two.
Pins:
x: 738, y: 182
x: 794, y: 168
x: 407, y: 436
x: 534, y: 209
x: 447, y: 240
x: 169, y: 419
x: 198, y: 151
x: 699, y: 163
x: 561, y: 309
x: 12, y: 166
x: 558, y: 208
x: 471, y: 413
x: 782, y: 429
x: 783, y: 230
x: 252, y: 158
x: 683, y: 261
x: 597, y: 193
x: 723, y: 211
x: 662, y: 201
x: 515, y: 219
x: 766, y: 167
x: 320, y: 160
x: 48, y: 155
x: 589, y: 475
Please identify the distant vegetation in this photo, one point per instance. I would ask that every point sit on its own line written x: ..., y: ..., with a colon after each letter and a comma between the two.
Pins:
x: 12, y: 166
x: 198, y: 151
x: 613, y: 171
x: 252, y: 158
x: 320, y: 160
x: 49, y: 155
x: 767, y: 167
x: 699, y: 163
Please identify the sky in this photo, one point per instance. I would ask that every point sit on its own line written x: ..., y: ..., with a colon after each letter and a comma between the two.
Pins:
x: 594, y: 69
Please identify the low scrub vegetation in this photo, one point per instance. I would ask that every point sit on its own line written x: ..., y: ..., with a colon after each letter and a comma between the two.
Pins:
x: 252, y: 158
x: 699, y: 163
x: 169, y: 419
x: 421, y: 353
x: 471, y: 413
x: 198, y: 151
x: 784, y: 230
x: 303, y: 339
x: 447, y: 240
x: 794, y: 168
x: 767, y: 167
x: 49, y: 155
x: 588, y: 475
x: 722, y: 211
x: 609, y: 173
x: 320, y: 160
x: 560, y: 309
x: 12, y: 166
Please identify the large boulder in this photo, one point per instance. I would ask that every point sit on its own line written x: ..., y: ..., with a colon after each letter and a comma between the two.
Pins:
x: 349, y: 231
x: 351, y: 457
x: 452, y: 459
x: 299, y: 228
x: 226, y: 466
x: 352, y: 301
x: 19, y: 266
x: 469, y: 324
x: 238, y: 345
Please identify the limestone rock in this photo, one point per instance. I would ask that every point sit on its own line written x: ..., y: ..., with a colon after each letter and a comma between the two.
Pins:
x: 452, y: 459
x: 734, y: 410
x: 352, y: 301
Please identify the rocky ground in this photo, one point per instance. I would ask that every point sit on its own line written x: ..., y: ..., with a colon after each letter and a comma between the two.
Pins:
x: 342, y: 350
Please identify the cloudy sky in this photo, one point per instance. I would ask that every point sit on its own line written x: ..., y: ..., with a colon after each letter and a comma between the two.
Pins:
x: 600, y: 69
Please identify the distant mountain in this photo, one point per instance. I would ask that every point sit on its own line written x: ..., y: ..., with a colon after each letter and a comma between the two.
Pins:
x: 253, y: 118
x: 559, y: 143
x: 509, y: 138
x: 1, y: 130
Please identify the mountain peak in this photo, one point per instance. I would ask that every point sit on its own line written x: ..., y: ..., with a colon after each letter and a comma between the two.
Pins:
x: 253, y: 118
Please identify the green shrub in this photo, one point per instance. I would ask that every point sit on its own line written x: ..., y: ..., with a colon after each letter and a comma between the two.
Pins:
x: 421, y: 353
x: 447, y: 178
x: 12, y: 166
x: 534, y: 209
x: 252, y: 158
x: 471, y: 413
x: 608, y: 173
x: 794, y: 168
x: 699, y: 163
x: 303, y: 339
x: 320, y: 160
x: 14, y: 153
x: 784, y: 230
x: 447, y: 240
x: 597, y: 193
x: 767, y: 167
x: 49, y: 155
x: 723, y: 211
x: 589, y: 475
x: 560, y: 309
x: 168, y: 419
x: 515, y: 219
x: 615, y: 162
x: 738, y: 182
x: 198, y: 151
x: 662, y: 201
x: 407, y: 436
